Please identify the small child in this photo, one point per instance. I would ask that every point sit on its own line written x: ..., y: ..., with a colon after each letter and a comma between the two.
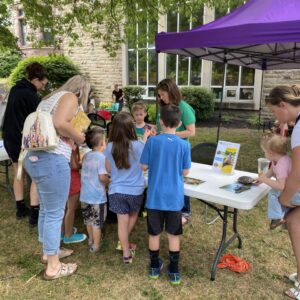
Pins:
x: 94, y: 179
x: 69, y: 233
x: 168, y: 158
x: 139, y: 112
x: 127, y: 185
x: 275, y: 149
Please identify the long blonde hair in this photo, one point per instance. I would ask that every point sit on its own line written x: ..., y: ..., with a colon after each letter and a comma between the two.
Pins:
x: 284, y: 93
x: 78, y: 85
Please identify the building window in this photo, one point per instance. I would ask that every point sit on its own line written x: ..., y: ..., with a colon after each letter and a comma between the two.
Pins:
x: 239, y: 81
x: 184, y: 70
x: 142, y: 58
x: 22, y: 27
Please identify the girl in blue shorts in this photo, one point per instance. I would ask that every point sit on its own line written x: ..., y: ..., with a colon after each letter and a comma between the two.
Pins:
x: 127, y: 184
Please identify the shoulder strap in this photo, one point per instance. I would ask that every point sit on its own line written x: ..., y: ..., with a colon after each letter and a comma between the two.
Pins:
x: 58, y: 96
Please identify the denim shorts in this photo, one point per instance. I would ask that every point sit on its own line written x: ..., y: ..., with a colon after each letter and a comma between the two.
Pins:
x: 124, y: 204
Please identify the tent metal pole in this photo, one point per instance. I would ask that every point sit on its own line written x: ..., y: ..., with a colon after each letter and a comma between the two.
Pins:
x: 260, y: 100
x: 221, y: 100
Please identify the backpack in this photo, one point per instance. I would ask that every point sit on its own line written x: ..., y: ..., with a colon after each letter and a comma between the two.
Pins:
x: 39, y: 133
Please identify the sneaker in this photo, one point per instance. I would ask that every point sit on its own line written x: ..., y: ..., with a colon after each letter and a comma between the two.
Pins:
x: 132, y: 247
x: 21, y: 214
x: 62, y: 235
x: 74, y: 238
x: 154, y: 273
x: 175, y: 278
x: 275, y: 223
x: 94, y: 249
x: 127, y: 260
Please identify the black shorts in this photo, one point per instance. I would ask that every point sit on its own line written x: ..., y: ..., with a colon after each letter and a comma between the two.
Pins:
x: 13, y: 150
x: 158, y: 219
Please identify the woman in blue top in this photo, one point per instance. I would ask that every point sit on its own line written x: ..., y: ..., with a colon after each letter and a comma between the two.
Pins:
x: 127, y: 184
x: 169, y: 93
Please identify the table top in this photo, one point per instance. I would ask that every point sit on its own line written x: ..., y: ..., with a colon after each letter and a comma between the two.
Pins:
x: 3, y: 153
x: 210, y: 190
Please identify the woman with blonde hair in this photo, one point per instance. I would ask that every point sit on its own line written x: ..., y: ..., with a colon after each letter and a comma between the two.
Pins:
x: 284, y: 103
x: 50, y: 171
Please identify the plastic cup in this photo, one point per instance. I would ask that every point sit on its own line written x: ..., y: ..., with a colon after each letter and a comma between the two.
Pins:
x: 262, y: 165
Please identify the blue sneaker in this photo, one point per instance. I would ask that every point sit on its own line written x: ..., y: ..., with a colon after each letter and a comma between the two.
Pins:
x: 175, y: 278
x: 62, y: 235
x: 154, y: 273
x: 74, y: 238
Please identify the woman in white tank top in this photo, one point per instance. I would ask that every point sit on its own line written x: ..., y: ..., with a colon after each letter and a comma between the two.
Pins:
x: 51, y: 172
x: 284, y: 102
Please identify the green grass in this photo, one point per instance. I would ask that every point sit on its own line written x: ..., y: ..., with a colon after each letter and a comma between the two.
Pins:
x: 103, y: 276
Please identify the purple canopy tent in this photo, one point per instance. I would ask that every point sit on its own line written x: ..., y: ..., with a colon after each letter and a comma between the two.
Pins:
x: 262, y: 34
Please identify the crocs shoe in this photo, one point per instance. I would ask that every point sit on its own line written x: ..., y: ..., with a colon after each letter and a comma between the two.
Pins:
x: 154, y: 273
x: 175, y: 278
x: 74, y: 238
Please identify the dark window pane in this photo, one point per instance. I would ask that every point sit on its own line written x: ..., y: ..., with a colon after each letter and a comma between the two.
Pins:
x: 152, y: 66
x: 171, y: 66
x: 152, y: 30
x: 151, y: 91
x: 231, y: 93
x: 132, y: 70
x: 142, y: 35
x: 184, y: 22
x: 232, y: 76
x: 247, y: 76
x: 217, y: 92
x: 197, y: 19
x: 183, y: 70
x: 217, y: 74
x: 172, y: 21
x: 142, y: 56
x: 195, y: 71
x: 246, y: 94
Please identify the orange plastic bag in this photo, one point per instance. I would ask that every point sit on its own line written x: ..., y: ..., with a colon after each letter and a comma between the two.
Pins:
x: 233, y: 263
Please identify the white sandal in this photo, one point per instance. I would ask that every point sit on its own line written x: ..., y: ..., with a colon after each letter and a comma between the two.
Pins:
x: 64, y: 271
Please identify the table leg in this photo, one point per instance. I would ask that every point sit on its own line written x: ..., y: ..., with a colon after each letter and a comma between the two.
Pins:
x: 224, y: 244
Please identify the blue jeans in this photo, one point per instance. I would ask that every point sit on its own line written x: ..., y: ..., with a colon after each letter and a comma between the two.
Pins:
x: 275, y: 209
x: 186, y: 210
x: 51, y: 173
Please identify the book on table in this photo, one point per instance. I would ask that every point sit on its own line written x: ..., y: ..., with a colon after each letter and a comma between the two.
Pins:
x: 226, y: 157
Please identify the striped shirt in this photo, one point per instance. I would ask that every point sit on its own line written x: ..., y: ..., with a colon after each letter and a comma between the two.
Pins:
x: 63, y: 148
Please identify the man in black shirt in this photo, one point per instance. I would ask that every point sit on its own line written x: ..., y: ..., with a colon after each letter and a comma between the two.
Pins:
x: 118, y: 96
x: 22, y: 101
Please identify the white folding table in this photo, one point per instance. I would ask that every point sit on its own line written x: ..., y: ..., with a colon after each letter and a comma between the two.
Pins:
x: 211, y: 194
x: 5, y: 162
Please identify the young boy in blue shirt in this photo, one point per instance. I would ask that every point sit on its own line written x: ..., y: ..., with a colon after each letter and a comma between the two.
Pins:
x: 168, y: 159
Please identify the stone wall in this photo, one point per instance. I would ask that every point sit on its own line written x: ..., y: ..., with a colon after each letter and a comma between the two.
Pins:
x: 274, y: 78
x: 94, y: 62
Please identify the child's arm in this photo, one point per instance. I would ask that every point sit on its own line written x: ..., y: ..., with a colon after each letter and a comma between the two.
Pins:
x: 75, y: 163
x: 147, y: 133
x: 107, y: 165
x: 185, y: 172
x: 144, y: 167
x: 104, y: 179
x: 274, y: 184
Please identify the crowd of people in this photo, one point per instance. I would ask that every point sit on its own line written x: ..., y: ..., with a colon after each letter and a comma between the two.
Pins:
x: 114, y: 172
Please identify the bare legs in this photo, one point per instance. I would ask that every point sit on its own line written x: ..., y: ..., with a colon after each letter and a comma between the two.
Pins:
x: 174, y: 242
x: 72, y: 204
x: 126, y: 223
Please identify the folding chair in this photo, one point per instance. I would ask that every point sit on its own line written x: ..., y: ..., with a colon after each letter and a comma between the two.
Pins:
x: 204, y: 153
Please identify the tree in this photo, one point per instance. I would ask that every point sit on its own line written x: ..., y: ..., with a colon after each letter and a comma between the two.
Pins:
x: 110, y: 20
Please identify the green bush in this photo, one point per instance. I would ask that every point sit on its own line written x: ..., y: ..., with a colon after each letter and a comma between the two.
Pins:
x: 8, y: 61
x: 201, y: 99
x: 151, y: 109
x: 133, y: 94
x: 59, y: 68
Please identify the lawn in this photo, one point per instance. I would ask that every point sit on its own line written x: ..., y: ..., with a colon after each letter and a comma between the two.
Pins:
x: 103, y: 276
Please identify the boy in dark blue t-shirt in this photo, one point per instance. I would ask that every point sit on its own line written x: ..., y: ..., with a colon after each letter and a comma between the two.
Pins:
x: 168, y: 159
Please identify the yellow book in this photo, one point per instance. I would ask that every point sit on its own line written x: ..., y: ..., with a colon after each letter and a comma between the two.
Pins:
x: 80, y: 122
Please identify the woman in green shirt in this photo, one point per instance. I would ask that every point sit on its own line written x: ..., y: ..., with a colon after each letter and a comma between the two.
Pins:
x: 169, y: 93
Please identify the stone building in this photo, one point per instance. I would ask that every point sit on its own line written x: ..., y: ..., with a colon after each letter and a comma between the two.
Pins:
x: 142, y: 66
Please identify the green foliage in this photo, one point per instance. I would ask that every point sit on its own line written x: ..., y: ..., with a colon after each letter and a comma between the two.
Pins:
x: 254, y: 120
x: 151, y: 109
x: 133, y: 94
x: 8, y: 61
x: 201, y: 99
x: 59, y: 68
